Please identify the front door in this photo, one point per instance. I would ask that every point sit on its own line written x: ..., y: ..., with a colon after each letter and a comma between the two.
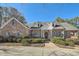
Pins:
x: 46, y: 35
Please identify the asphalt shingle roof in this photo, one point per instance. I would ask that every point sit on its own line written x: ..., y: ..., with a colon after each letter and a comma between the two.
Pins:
x: 68, y: 26
x: 46, y: 27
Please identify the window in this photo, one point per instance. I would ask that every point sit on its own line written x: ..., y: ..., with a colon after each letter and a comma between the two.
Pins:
x: 7, y: 34
x: 18, y: 34
x: 13, y: 22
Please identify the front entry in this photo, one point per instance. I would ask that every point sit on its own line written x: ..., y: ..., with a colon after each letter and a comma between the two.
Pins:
x: 46, y: 35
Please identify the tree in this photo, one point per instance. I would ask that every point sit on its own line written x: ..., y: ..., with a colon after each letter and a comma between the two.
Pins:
x: 60, y: 20
x: 74, y: 21
x: 22, y: 19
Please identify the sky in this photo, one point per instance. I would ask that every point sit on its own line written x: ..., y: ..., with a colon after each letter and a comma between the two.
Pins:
x: 45, y: 12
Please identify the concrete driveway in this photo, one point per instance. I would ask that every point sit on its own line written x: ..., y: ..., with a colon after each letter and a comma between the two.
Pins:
x: 49, y: 50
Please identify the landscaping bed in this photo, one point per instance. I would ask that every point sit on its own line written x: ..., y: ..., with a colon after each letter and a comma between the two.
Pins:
x: 66, y: 43
x: 20, y: 44
x: 33, y: 42
x: 23, y: 41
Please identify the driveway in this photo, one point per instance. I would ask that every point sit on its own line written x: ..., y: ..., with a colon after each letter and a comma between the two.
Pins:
x: 49, y: 50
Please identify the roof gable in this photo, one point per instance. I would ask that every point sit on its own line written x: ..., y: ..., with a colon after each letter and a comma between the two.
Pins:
x: 13, y: 18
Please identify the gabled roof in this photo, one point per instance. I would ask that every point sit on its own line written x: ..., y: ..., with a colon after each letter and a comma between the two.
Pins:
x: 46, y: 28
x: 68, y: 26
x: 13, y: 18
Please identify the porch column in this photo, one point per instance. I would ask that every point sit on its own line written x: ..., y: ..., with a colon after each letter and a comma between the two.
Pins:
x: 63, y: 34
x: 76, y: 34
x: 50, y: 34
x: 42, y: 34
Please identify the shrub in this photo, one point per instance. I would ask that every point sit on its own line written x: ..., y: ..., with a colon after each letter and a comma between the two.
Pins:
x: 69, y: 43
x: 29, y: 40
x: 18, y: 40
x: 38, y: 40
x: 11, y: 39
x: 58, y: 40
x: 78, y: 36
x: 61, y: 41
x: 25, y: 42
x: 14, y: 40
x: 25, y: 37
x: 76, y: 41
